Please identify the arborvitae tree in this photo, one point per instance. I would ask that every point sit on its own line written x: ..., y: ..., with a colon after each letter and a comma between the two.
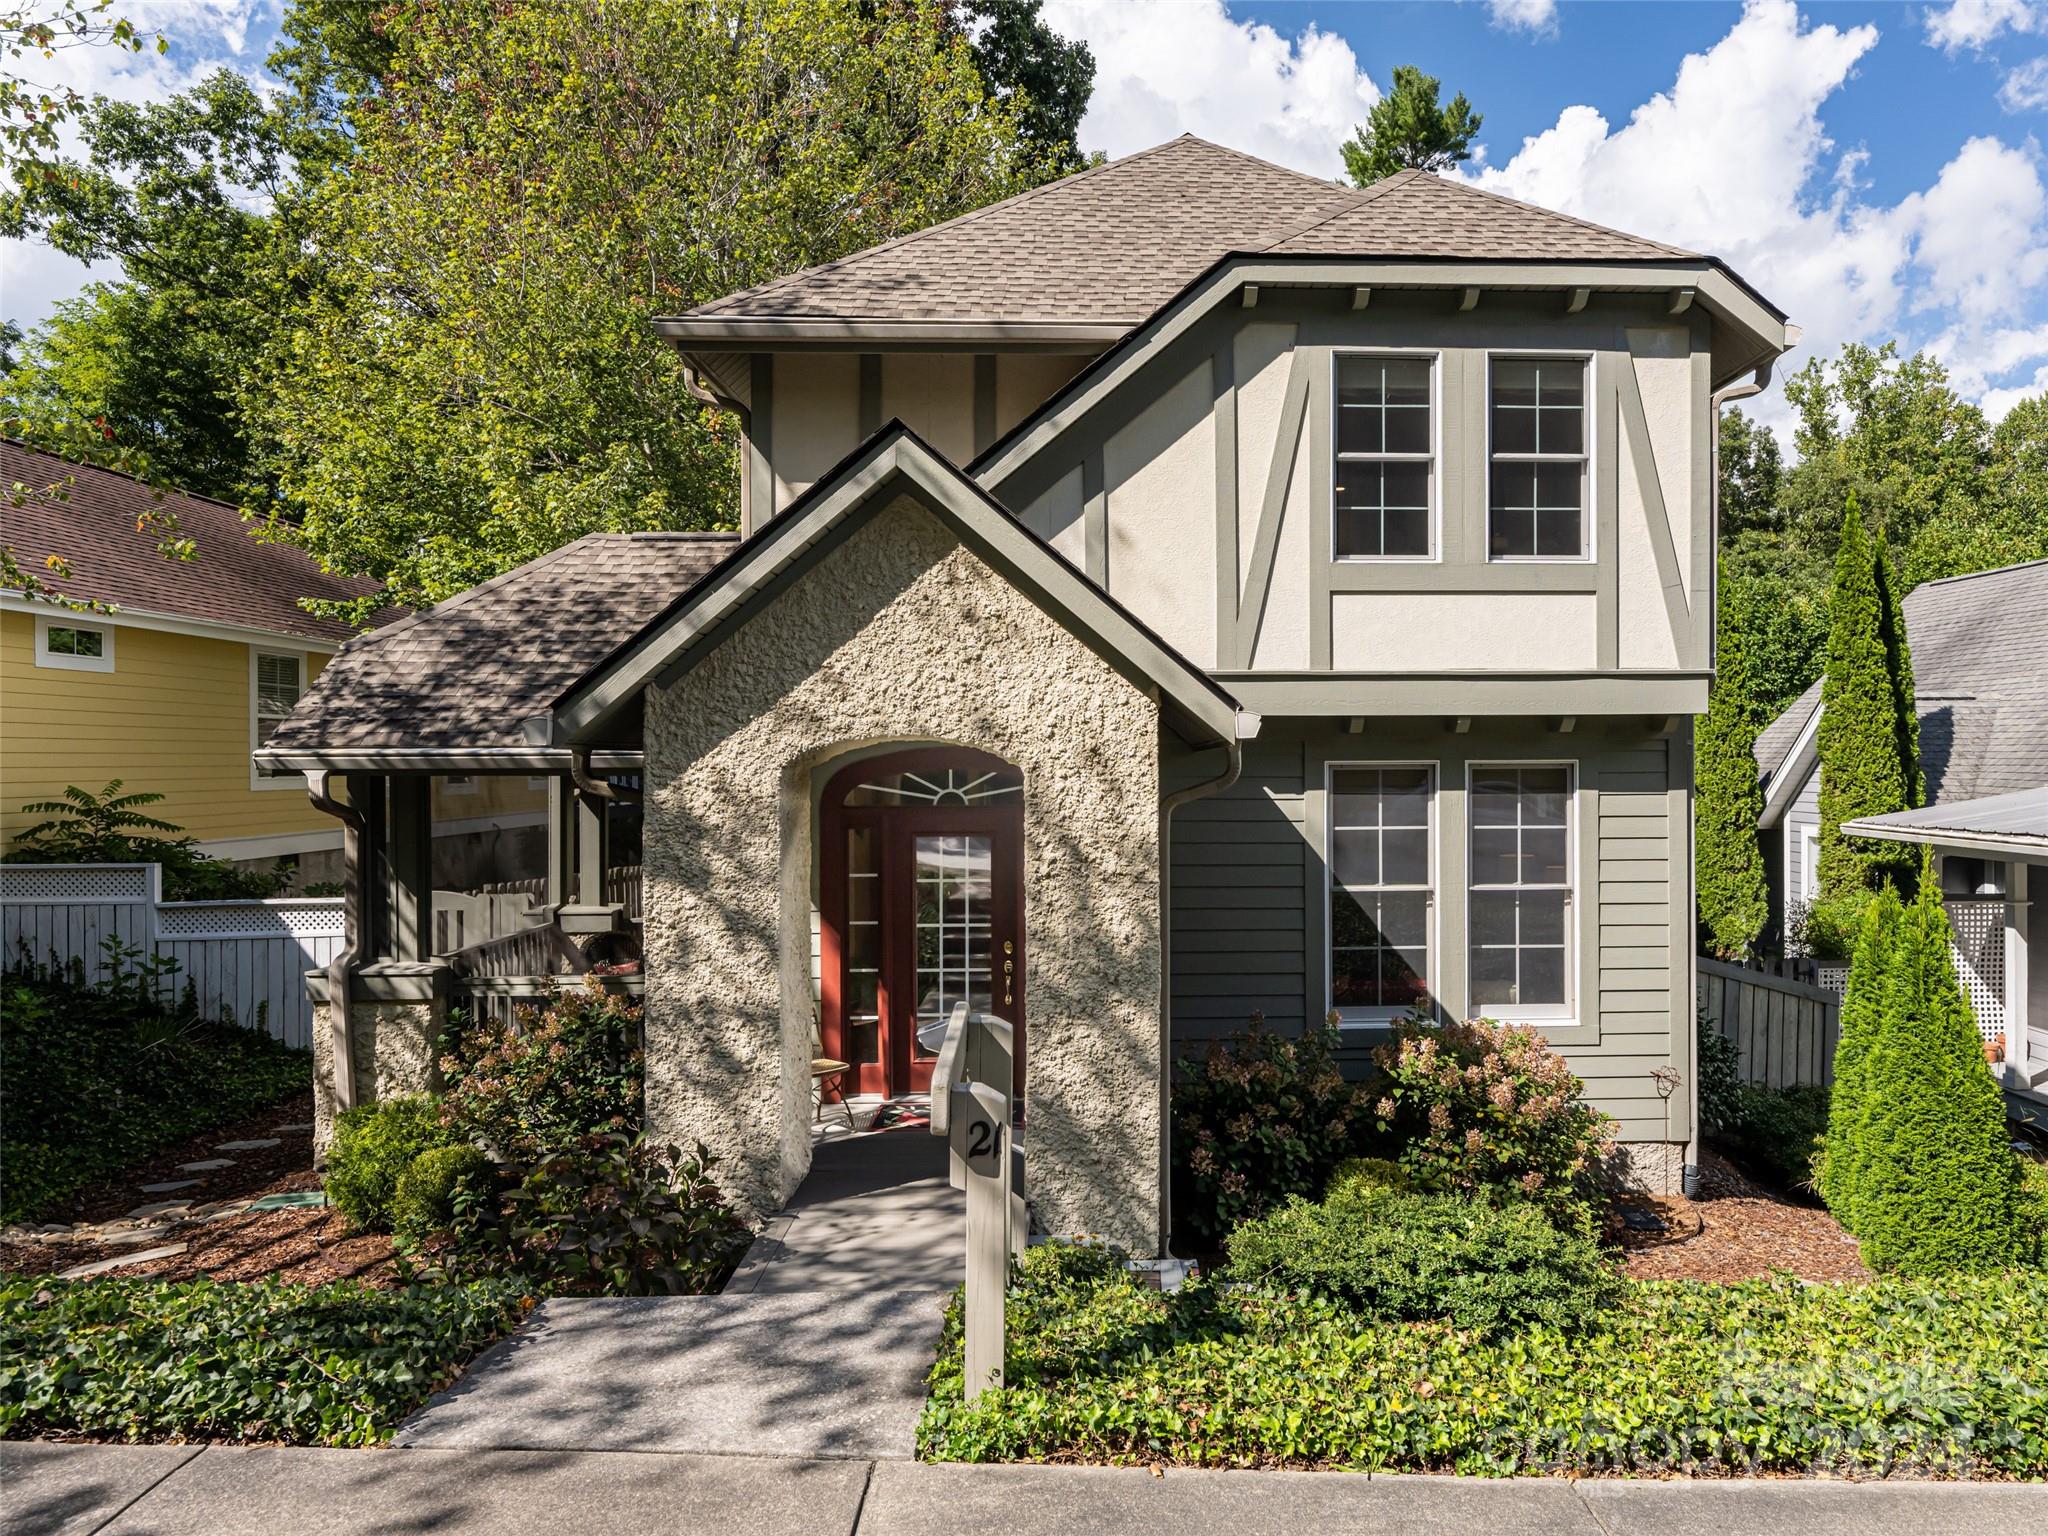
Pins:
x: 1862, y: 1008
x: 1898, y: 660
x: 1937, y: 1187
x: 1861, y: 769
x: 1733, y: 901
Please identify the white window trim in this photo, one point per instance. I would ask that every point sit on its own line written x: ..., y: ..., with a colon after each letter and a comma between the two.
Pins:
x: 458, y: 783
x: 1552, y: 1016
x: 1809, y: 864
x: 45, y: 657
x: 258, y: 779
x: 1435, y: 357
x: 1591, y: 514
x: 1382, y: 1018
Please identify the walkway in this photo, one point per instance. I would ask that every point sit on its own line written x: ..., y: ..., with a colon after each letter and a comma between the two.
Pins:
x: 819, y: 1346
x: 178, y: 1490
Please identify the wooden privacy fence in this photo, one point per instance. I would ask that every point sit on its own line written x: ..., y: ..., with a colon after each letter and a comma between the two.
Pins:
x: 1785, y: 1029
x: 245, y: 959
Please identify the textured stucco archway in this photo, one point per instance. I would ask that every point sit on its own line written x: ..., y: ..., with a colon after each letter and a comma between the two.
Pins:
x: 902, y: 634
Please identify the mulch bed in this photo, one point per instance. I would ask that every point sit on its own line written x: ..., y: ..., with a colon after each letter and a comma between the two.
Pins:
x: 1736, y: 1230
x: 311, y: 1245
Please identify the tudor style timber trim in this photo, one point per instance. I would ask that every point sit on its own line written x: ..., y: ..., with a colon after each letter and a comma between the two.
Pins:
x: 1272, y: 507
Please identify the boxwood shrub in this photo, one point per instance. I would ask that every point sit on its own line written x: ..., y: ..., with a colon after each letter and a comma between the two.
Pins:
x: 1400, y: 1257
x: 374, y: 1144
x: 142, y: 1360
x: 1928, y: 1376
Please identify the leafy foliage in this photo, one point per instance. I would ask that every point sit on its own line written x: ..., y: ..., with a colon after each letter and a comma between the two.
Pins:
x: 1396, y: 1257
x: 1863, y: 1005
x: 550, y: 1077
x: 33, y: 114
x: 1777, y: 1132
x: 109, y: 828
x: 374, y: 1146
x: 249, y: 1361
x: 98, y: 1077
x: 1258, y: 1117
x: 1357, y: 1177
x: 1488, y: 1110
x: 1862, y: 770
x: 1051, y: 76
x: 424, y: 1200
x: 471, y: 381
x: 1766, y: 1376
x: 1733, y: 900
x: 1936, y: 1185
x: 1718, y: 1072
x: 1408, y: 127
x: 606, y: 1215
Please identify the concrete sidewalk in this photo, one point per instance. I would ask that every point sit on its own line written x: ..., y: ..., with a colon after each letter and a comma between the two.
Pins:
x: 60, y: 1490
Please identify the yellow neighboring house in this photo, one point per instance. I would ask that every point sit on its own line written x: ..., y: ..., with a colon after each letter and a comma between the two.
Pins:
x: 194, y: 665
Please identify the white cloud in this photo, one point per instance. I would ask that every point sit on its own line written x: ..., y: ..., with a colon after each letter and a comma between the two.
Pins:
x: 1537, y: 16
x: 1734, y: 159
x: 1975, y: 23
x: 2026, y: 87
x: 1166, y: 67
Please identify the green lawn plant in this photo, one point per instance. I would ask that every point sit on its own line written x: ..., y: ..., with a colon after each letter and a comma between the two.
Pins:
x: 1935, y: 1184
x: 1906, y: 1376
x: 1399, y: 1257
x: 259, y: 1361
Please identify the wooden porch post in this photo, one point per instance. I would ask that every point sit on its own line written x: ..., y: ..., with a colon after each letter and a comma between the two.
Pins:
x: 591, y: 839
x: 412, y: 872
x: 366, y: 793
x: 561, y: 843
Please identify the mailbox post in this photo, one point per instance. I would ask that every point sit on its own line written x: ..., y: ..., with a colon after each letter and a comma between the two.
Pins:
x: 971, y: 1109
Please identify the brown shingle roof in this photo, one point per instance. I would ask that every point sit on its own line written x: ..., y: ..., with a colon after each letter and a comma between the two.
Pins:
x: 1116, y: 242
x: 237, y: 579
x: 468, y: 672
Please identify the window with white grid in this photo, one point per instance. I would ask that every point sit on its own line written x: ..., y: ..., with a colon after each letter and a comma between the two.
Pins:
x: 1383, y: 506
x: 1382, y: 892
x: 1536, y: 483
x: 1519, y: 902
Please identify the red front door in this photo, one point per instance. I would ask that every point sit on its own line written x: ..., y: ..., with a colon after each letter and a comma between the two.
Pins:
x: 921, y: 903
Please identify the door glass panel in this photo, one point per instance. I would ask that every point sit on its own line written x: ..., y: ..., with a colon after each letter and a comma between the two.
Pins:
x: 954, y: 887
x: 863, y: 1042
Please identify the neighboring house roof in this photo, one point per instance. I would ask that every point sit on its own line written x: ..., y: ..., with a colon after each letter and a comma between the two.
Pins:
x: 1979, y: 643
x: 1113, y: 244
x: 2015, y: 823
x: 467, y: 673
x: 891, y: 463
x: 237, y: 580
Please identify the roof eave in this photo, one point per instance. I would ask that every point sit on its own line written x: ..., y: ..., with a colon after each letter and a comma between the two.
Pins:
x: 853, y: 333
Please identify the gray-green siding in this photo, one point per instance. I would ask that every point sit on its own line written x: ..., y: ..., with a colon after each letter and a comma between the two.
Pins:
x: 1248, y: 878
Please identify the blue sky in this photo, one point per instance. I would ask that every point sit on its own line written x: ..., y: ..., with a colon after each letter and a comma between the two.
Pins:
x: 1877, y: 169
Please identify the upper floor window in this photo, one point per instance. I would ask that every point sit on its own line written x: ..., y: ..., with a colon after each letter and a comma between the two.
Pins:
x: 1381, y: 890
x: 1386, y: 471
x: 76, y: 647
x: 1536, y: 501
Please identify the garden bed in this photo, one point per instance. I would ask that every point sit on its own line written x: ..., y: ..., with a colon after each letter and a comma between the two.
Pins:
x: 1735, y: 1230
x: 338, y: 1364
x: 1936, y: 1378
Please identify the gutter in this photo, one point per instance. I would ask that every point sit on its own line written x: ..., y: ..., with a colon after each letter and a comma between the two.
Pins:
x: 341, y: 970
x: 1247, y: 728
x: 598, y: 789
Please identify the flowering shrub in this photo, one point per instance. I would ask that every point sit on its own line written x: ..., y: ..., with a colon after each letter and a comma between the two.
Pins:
x: 553, y: 1075
x: 1260, y: 1116
x: 1489, y: 1110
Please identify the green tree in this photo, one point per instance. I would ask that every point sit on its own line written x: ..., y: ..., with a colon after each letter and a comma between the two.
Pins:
x: 1862, y: 772
x: 1752, y: 477
x: 33, y: 111
x: 1052, y: 76
x: 1937, y: 1188
x: 1408, y: 128
x: 1863, y: 1004
x: 473, y: 381
x: 1733, y: 900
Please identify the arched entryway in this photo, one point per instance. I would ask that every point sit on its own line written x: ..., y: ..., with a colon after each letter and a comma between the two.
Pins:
x: 921, y: 906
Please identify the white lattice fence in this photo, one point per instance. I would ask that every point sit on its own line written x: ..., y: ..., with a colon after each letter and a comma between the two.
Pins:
x: 245, y: 959
x: 1979, y: 948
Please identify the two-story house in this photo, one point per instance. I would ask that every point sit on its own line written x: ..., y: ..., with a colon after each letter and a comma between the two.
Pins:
x: 1187, y: 590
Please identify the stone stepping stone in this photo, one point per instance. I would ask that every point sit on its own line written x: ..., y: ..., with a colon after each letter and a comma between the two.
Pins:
x: 161, y: 1208
x: 169, y: 1186
x: 247, y: 1146
x: 290, y: 1200
x: 296, y: 1125
x: 82, y: 1271
x: 207, y: 1165
x: 137, y: 1235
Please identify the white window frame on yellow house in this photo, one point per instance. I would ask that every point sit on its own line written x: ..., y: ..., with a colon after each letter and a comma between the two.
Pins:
x: 61, y: 661
x: 258, y: 779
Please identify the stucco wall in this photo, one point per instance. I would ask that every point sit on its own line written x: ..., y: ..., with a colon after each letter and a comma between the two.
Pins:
x: 394, y: 1054
x: 901, y: 634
